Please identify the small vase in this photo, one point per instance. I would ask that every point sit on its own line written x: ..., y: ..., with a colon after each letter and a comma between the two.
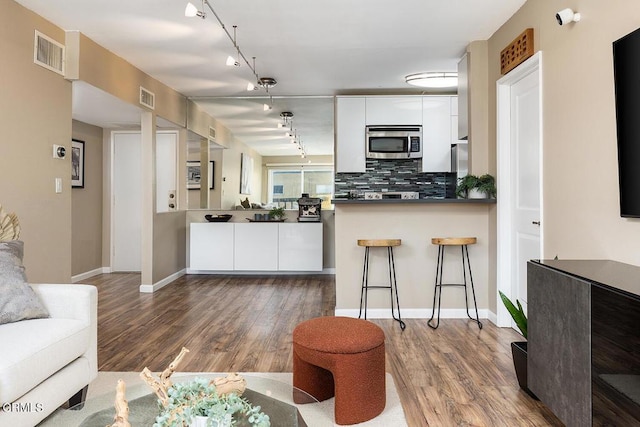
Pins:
x: 474, y: 193
x: 199, y: 421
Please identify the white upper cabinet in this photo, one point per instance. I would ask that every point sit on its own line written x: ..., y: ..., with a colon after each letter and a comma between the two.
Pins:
x: 349, y: 125
x: 401, y: 110
x: 436, y: 134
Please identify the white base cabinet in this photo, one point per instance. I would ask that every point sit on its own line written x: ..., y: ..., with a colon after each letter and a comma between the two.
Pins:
x: 255, y: 247
x: 210, y: 245
x: 298, y: 248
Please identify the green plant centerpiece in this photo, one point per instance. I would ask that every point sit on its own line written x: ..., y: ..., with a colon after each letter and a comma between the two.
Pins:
x: 277, y: 213
x: 200, y: 398
x: 485, y: 185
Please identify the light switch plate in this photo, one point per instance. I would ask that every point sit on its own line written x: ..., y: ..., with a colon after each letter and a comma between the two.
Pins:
x: 58, y: 185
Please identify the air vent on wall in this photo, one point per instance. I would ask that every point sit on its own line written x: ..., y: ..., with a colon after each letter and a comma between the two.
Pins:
x: 147, y: 98
x: 48, y: 53
x: 212, y: 133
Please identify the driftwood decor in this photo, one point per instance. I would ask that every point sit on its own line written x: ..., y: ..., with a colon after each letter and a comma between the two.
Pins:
x: 9, y: 226
x: 517, y: 51
x: 161, y: 386
x: 121, y: 418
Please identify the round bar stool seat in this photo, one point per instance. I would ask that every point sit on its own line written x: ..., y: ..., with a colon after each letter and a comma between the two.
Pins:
x: 389, y: 244
x: 380, y: 242
x: 454, y: 241
x: 463, y: 242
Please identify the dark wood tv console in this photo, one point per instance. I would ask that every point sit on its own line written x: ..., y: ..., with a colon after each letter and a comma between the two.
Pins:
x: 584, y: 340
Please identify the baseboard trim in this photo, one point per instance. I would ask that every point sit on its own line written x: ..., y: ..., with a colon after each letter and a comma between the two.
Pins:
x: 261, y: 273
x: 149, y: 289
x: 82, y: 276
x: 412, y: 313
x: 493, y: 317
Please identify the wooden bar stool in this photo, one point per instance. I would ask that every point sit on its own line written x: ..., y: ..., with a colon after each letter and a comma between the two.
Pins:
x: 463, y: 242
x: 393, y: 287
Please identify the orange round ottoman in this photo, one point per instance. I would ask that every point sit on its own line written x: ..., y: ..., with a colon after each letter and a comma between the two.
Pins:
x: 342, y: 357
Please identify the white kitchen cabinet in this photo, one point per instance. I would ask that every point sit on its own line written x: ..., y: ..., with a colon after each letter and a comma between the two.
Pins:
x: 300, y: 247
x: 256, y: 247
x: 436, y: 134
x: 388, y: 110
x: 211, y: 246
x: 349, y: 128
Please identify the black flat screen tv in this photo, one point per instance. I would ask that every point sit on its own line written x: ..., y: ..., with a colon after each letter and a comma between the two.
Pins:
x: 626, y: 68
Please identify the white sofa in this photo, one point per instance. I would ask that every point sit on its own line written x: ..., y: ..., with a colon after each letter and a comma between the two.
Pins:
x: 47, y: 362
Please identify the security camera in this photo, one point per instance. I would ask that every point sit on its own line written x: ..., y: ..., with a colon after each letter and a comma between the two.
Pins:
x: 567, y: 15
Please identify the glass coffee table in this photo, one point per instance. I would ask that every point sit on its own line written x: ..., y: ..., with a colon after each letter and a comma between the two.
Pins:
x: 275, y: 398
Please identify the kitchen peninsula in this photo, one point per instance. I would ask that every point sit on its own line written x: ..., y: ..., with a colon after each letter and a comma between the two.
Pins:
x: 415, y: 222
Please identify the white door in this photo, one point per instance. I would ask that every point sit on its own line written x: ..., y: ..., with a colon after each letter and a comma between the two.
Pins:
x: 519, y: 146
x: 525, y: 164
x: 127, y: 202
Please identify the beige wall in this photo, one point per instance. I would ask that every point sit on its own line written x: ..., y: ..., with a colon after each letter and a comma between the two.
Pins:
x: 86, y: 211
x: 580, y: 215
x: 230, y: 186
x: 35, y: 113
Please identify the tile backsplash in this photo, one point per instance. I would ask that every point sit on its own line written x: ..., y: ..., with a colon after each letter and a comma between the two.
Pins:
x: 396, y: 175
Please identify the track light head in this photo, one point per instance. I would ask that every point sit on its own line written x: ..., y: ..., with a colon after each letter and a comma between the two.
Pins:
x: 232, y: 62
x: 191, y: 11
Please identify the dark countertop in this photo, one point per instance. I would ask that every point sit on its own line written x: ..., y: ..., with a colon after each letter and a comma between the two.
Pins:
x: 614, y: 275
x: 419, y: 201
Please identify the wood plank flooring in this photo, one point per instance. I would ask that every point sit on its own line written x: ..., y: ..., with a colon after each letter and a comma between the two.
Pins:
x: 456, y: 375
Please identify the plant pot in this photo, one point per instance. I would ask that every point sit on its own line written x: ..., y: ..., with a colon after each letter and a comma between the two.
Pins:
x: 474, y: 193
x: 198, y: 421
x: 519, y: 353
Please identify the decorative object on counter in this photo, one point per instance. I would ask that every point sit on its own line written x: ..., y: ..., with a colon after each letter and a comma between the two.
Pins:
x: 217, y: 402
x: 218, y: 218
x: 277, y: 213
x: 309, y: 208
x: 264, y: 218
x: 9, y: 226
x: 245, y: 203
x: 474, y: 187
x: 519, y: 348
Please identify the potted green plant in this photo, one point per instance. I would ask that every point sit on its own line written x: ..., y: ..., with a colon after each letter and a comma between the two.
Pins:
x: 197, y: 404
x: 277, y: 213
x: 519, y: 348
x: 476, y: 187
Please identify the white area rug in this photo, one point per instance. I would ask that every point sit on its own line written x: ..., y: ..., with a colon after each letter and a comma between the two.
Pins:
x: 102, y: 394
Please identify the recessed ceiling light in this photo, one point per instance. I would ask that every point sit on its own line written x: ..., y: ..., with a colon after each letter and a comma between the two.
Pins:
x: 433, y: 79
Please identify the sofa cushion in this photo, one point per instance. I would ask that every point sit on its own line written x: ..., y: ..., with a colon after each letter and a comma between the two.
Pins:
x: 33, y: 350
x: 17, y: 300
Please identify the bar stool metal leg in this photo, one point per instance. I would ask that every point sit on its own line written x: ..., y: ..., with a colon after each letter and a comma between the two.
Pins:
x: 365, y: 283
x: 465, y: 253
x: 437, y: 293
x: 437, y: 290
x: 394, y: 287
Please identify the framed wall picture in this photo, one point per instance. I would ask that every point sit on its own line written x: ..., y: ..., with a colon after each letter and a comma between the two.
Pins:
x: 77, y: 163
x: 246, y: 169
x: 193, y: 175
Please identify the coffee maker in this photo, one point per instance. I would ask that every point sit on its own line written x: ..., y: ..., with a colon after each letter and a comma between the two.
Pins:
x: 309, y: 208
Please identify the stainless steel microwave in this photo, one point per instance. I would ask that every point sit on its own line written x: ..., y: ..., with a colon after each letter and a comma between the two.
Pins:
x: 393, y: 142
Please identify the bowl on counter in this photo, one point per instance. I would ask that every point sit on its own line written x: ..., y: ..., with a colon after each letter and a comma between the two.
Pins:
x: 218, y: 218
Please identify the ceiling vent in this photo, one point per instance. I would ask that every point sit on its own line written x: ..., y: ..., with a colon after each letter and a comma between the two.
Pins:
x: 48, y: 53
x: 212, y: 133
x: 147, y: 98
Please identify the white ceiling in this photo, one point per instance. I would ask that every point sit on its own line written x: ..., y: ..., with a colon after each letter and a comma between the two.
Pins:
x: 312, y: 48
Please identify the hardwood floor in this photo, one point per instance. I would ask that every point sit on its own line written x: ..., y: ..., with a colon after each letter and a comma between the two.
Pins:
x: 456, y: 375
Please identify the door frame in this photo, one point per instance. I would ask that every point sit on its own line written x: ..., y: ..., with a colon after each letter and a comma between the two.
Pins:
x: 505, y: 177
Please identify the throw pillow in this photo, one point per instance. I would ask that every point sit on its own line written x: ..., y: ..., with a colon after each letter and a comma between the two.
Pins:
x: 18, y: 301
